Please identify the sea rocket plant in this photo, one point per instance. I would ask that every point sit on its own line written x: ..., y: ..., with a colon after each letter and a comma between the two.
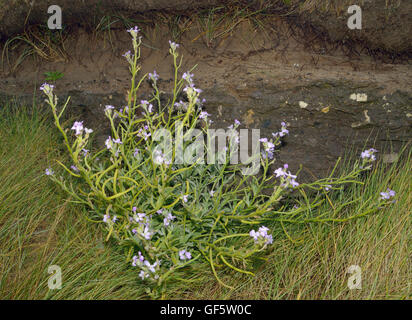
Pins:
x: 173, y: 218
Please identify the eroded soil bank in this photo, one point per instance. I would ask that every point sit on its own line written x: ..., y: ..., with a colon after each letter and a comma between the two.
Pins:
x: 331, y: 100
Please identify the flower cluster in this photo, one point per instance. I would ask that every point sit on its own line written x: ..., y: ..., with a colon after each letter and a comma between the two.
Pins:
x: 147, y: 269
x: 185, y: 255
x: 141, y: 224
x: 283, y: 131
x: 173, y: 46
x: 169, y: 217
x: 144, y: 132
x: 47, y: 89
x: 78, y: 127
x: 153, y: 76
x: 368, y: 156
x: 387, y: 195
x: 287, y: 179
x: 269, y: 148
x: 261, y: 236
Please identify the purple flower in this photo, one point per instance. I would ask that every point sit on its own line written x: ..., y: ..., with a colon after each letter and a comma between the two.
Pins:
x: 78, y: 127
x: 108, y: 143
x: 129, y: 56
x: 173, y: 45
x: 136, y: 152
x: 134, y: 31
x: 203, y: 115
x: 106, y: 218
x: 261, y: 236
x: 188, y: 77
x: 369, y: 154
x: 74, y: 168
x: 143, y: 275
x: 139, y: 217
x: 184, y: 255
x: 49, y: 172
x: 47, y: 88
x: 147, y: 234
x: 185, y: 198
x: 108, y: 108
x: 168, y: 219
x: 387, y: 195
x: 154, y: 76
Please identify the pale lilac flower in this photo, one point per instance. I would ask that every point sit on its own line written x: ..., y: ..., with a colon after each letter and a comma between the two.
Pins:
x: 78, y: 127
x: 85, y: 152
x: 254, y: 235
x: 134, y: 31
x: 287, y: 178
x: 129, y: 56
x: 74, y: 168
x: 118, y: 141
x: 114, y: 219
x: 387, y: 195
x: 181, y: 105
x: 188, y: 77
x: 147, y: 234
x: 49, y: 172
x: 151, y: 267
x: 139, y: 217
x: 88, y: 131
x: 154, y: 76
x: 108, y: 108
x: 108, y: 143
x: 173, y: 45
x: 143, y: 275
x: 47, y: 88
x: 184, y: 255
x: 237, y: 122
x: 141, y: 258
x: 261, y: 236
x: 185, y: 198
x: 136, y: 152
x: 284, y: 131
x: 211, y: 192
x: 203, y: 115
x: 328, y: 187
x: 280, y: 172
x: 168, y: 219
x: 269, y: 148
x: 106, y: 217
x: 293, y: 183
x: 369, y: 154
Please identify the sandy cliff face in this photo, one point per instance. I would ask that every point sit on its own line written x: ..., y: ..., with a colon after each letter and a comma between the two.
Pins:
x: 307, y: 69
x: 387, y: 24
